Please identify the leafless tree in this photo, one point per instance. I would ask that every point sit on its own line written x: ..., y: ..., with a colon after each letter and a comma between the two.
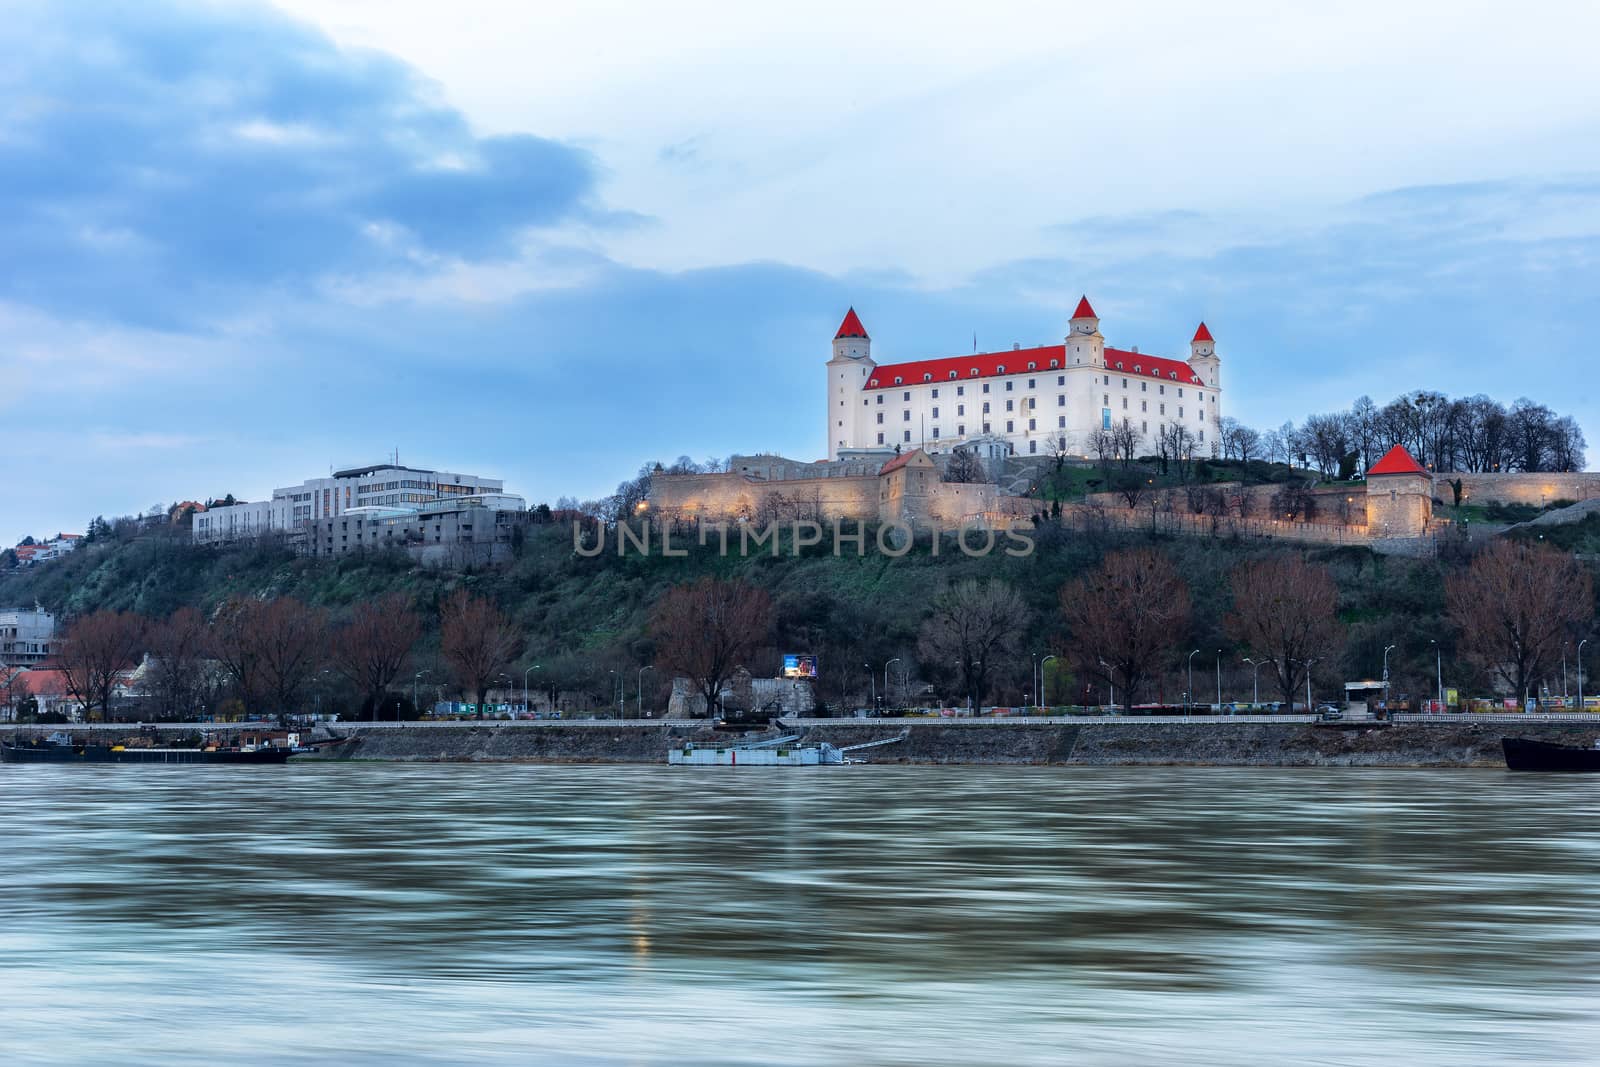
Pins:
x: 705, y: 630
x: 974, y: 629
x: 178, y: 647
x: 1102, y: 442
x: 1286, y: 610
x: 1515, y: 604
x: 477, y: 642
x: 271, y: 648
x: 964, y: 466
x: 1124, y: 442
x: 94, y: 653
x: 1124, y: 616
x: 373, y: 645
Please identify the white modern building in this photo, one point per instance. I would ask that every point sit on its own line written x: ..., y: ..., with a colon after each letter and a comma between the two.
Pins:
x: 26, y: 637
x: 1039, y: 400
x: 363, y: 490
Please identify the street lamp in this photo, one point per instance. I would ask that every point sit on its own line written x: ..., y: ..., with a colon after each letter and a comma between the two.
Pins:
x: 1255, y: 681
x: 886, y: 690
x: 1219, y: 681
x: 872, y: 679
x: 415, y: 678
x: 646, y: 667
x: 1188, y: 693
x: 1438, y: 666
x: 1111, y: 681
x: 1585, y: 641
x: 510, y: 686
x: 1042, y: 663
x: 1308, y: 664
x: 1033, y: 674
x: 527, y: 706
x: 613, y: 681
x: 1386, y: 650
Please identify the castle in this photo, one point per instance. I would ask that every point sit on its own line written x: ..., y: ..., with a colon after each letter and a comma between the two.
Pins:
x: 1047, y: 399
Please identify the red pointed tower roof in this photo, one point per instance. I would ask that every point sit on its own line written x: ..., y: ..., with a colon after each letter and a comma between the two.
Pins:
x: 1084, y: 311
x: 851, y: 327
x: 1397, y: 461
x: 1203, y: 334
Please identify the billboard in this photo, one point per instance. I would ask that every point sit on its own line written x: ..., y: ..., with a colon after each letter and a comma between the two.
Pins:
x: 795, y: 666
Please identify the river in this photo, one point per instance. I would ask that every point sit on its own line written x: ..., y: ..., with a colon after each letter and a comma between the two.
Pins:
x: 442, y: 914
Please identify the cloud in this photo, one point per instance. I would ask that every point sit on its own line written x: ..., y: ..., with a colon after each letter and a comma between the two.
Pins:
x: 158, y: 161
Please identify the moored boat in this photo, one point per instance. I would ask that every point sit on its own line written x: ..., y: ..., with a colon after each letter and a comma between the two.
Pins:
x: 61, y: 748
x: 1525, y: 754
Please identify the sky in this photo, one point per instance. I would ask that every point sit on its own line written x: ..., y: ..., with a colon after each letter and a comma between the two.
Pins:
x: 244, y: 243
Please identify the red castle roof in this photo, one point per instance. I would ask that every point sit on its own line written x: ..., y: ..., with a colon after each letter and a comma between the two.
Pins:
x: 1203, y: 334
x: 851, y: 327
x: 899, y: 461
x: 1044, y: 359
x: 1084, y: 311
x: 1397, y: 461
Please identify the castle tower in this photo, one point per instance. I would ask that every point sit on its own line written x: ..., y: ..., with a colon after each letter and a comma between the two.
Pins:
x: 847, y: 373
x: 1399, y: 496
x: 1086, y: 347
x: 1203, y: 358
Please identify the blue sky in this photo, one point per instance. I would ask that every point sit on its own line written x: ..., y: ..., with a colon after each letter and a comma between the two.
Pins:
x: 244, y: 243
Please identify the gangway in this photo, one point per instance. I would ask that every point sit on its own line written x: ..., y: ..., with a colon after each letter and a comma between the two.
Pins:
x: 901, y: 736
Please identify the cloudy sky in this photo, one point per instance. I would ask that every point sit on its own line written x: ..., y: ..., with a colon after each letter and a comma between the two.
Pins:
x: 241, y: 243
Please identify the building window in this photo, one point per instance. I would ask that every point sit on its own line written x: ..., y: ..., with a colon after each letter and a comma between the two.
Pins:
x: 1009, y: 385
x: 1033, y: 424
x: 905, y: 416
x: 961, y: 390
x: 907, y: 396
x: 1144, y: 387
x: 1144, y: 427
x: 1061, y: 379
x: 936, y: 411
x: 1163, y: 409
x: 1144, y: 405
x: 1032, y: 366
x: 1061, y: 422
x: 986, y: 387
x: 1033, y: 446
x: 908, y: 435
x: 1011, y: 405
x: 986, y: 427
x: 1202, y: 437
x: 1124, y: 383
x: 898, y: 379
x: 880, y: 418
x: 961, y: 429
x: 880, y: 438
x: 1001, y: 369
x: 1180, y: 393
x: 1061, y: 400
x: 1105, y: 418
x: 1161, y: 389
x: 961, y: 409
x: 986, y: 407
x: 952, y: 375
x: 1009, y: 426
x: 1180, y: 411
x: 880, y: 398
x: 927, y: 377
x: 1124, y: 403
x: 936, y: 392
x: 936, y: 433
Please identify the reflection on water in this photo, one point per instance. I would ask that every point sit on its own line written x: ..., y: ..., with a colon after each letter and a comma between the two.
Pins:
x: 629, y: 915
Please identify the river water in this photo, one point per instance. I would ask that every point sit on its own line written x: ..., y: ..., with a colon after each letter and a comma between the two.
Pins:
x: 371, y: 913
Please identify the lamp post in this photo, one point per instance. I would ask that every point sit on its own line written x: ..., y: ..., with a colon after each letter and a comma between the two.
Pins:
x: 1386, y: 650
x: 527, y: 706
x: 646, y: 667
x: 415, y: 678
x: 510, y: 685
x: 886, y: 690
x: 1563, y: 674
x: 1042, y: 663
x: 1438, y: 667
x: 1188, y: 693
x: 872, y: 680
x: 1033, y: 675
x: 1308, y: 664
x: 1585, y: 641
x: 613, y: 681
x: 1219, y: 681
x: 1255, y: 681
x: 1111, y: 682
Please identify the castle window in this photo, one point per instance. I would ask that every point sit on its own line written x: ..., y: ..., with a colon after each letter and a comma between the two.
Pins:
x: 908, y: 435
x: 974, y: 372
x: 1033, y: 383
x: 1173, y: 375
x: 1108, y: 379
x: 961, y: 390
x: 1136, y: 368
x: 927, y: 377
x: 1163, y: 409
x: 1011, y: 405
x: 1125, y: 383
x: 1061, y: 400
x: 1144, y: 387
x: 1180, y: 392
x: 1144, y: 427
x: 863, y: 401
x: 936, y: 433
x: 880, y: 438
x: 1202, y: 437
x: 880, y: 398
x: 936, y: 412
x: 1010, y: 426
x: 961, y: 429
x: 897, y: 379
x: 872, y: 381
x: 1054, y: 363
x: 1002, y: 369
x: 1033, y: 446
x: 906, y: 396
x: 1009, y: 385
x: 1105, y: 398
x: 905, y: 416
x: 1032, y: 366
x: 986, y: 407
x: 1161, y: 389
x: 880, y: 418
x: 1124, y: 403
x: 1144, y: 405
x: 1061, y: 422
x: 1061, y: 379
x: 986, y: 387
x: 1180, y: 411
x: 936, y: 394
x: 952, y: 375
x: 961, y: 409
x: 986, y: 427
x: 1033, y: 424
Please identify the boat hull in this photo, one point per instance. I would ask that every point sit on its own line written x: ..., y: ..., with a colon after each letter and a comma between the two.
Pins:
x: 1523, y: 754
x: 108, y: 754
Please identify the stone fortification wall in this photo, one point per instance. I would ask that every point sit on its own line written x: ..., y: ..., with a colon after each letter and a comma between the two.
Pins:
x: 1089, y: 517
x: 1535, y: 489
x: 733, y: 495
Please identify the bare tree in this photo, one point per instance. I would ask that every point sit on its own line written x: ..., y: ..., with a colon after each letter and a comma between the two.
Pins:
x: 477, y: 642
x: 1515, y: 603
x: 974, y: 629
x: 372, y: 646
x: 178, y: 646
x: 705, y: 630
x: 1286, y: 610
x: 964, y: 466
x: 95, y: 652
x: 271, y: 648
x: 1124, y: 442
x: 1124, y: 615
x: 1103, y: 444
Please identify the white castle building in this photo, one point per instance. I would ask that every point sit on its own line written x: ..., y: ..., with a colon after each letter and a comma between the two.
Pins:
x: 1036, y: 400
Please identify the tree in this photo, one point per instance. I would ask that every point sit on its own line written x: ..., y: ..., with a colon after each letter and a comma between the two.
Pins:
x: 271, y: 649
x: 964, y: 466
x: 1124, y: 442
x: 1515, y: 604
x: 178, y: 646
x: 705, y: 630
x: 1124, y: 615
x: 95, y: 652
x: 374, y: 643
x: 1285, y: 610
x: 975, y: 630
x: 477, y: 642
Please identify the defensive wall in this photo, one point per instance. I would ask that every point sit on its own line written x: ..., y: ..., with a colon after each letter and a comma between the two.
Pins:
x: 1536, y: 489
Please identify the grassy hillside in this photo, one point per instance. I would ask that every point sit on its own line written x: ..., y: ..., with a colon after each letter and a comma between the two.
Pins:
x: 585, y: 618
